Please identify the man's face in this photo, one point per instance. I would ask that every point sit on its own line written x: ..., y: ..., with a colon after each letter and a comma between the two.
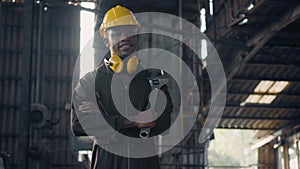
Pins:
x: 121, y: 40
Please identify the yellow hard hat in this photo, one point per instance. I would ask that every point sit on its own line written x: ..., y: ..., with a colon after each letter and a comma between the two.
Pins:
x: 118, y: 16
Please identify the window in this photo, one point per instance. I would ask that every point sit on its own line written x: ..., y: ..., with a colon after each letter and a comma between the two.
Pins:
x: 86, y: 35
x: 293, y: 159
x: 280, y: 157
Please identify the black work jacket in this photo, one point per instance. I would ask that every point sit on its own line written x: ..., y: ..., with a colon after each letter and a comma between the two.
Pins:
x: 139, y: 90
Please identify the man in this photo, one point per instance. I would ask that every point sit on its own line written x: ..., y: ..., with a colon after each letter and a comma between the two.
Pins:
x: 101, y: 98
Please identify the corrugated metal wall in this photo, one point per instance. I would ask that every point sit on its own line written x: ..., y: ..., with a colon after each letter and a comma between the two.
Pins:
x: 60, y: 48
x: 11, y: 47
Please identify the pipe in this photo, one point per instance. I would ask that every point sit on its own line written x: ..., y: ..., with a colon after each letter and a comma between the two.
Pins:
x: 39, y: 77
x: 2, y: 89
x: 180, y: 53
x: 1, y: 16
x: 40, y: 60
x: 214, y: 23
x: 26, y: 80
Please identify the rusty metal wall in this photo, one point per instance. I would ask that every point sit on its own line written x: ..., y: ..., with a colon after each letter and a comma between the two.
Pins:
x: 60, y: 48
x: 267, y: 157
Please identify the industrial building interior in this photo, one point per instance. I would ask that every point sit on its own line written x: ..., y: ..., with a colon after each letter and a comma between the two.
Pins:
x: 258, y: 42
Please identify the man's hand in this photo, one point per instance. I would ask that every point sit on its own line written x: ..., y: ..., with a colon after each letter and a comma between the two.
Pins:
x: 144, y: 125
x: 88, y: 107
x: 145, y: 119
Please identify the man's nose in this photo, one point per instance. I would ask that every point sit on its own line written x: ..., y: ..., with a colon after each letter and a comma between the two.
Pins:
x: 124, y: 36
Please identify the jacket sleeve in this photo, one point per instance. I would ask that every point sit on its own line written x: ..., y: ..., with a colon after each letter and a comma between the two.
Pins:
x: 90, y: 123
x: 82, y: 92
x: 76, y: 127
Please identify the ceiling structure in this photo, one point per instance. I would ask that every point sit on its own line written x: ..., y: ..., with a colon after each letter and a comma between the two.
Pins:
x: 266, y: 47
x: 257, y: 40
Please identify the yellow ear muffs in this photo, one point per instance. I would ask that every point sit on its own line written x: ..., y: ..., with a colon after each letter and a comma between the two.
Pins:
x: 132, y: 64
x: 116, y: 64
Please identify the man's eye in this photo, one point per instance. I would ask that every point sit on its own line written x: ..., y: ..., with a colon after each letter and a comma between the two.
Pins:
x: 118, y: 34
x: 115, y: 34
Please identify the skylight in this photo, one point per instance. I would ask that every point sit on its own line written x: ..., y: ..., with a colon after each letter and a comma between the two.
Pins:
x: 253, y: 98
x: 267, y: 99
x: 265, y: 92
x: 278, y: 87
x: 263, y: 86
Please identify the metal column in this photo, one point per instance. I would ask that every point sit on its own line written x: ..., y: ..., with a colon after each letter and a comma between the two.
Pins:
x: 180, y: 53
x: 1, y: 115
x: 0, y: 17
x: 26, y: 80
x: 38, y: 85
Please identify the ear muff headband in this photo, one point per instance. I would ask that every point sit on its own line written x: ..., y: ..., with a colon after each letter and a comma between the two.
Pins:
x: 116, y: 64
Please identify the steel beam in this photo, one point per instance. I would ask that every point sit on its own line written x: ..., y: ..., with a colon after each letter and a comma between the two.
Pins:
x: 258, y: 118
x: 244, y: 30
x: 261, y: 18
x: 233, y: 43
x: 278, y: 57
x: 264, y: 140
x: 258, y: 79
x: 282, y: 42
x: 283, y: 47
x: 248, y: 93
x: 246, y: 128
x: 259, y: 5
x: 264, y: 64
x: 294, y: 107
